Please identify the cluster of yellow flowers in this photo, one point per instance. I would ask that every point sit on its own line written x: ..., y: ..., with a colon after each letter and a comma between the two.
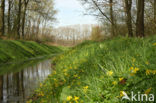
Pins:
x: 115, y: 82
x: 148, y: 72
x: 134, y: 70
x: 109, y: 73
x: 85, y: 89
x: 75, y: 98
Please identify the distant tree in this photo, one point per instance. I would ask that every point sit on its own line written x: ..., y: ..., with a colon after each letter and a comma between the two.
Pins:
x: 19, y: 18
x: 140, y: 18
x: 24, y: 16
x: 10, y: 4
x: 128, y: 6
x: 2, y: 17
x: 112, y: 18
x: 155, y: 10
x: 96, y: 33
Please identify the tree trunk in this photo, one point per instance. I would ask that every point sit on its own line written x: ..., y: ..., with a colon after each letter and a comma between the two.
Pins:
x: 19, y: 18
x: 23, y: 21
x: 3, y: 17
x: 24, y: 15
x: 155, y: 10
x: 140, y: 19
x: 128, y: 6
x: 112, y: 18
x: 9, y: 11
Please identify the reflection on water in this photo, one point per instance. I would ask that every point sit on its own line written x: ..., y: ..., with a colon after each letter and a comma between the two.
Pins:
x: 17, y: 87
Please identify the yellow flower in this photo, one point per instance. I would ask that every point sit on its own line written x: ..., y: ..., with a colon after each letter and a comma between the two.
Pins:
x: 148, y: 72
x: 120, y: 79
x: 135, y: 70
x: 148, y: 91
x: 86, y: 87
x: 114, y: 83
x: 131, y: 68
x: 69, y: 98
x: 154, y: 44
x: 76, y: 98
x: 121, y: 93
x: 110, y: 73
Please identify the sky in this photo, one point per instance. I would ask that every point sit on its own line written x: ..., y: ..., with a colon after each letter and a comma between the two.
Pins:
x: 71, y: 12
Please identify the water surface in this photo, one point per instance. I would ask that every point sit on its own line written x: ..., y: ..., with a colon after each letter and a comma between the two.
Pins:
x: 18, y: 81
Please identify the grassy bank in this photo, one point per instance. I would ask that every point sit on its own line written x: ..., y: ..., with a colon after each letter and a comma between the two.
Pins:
x: 100, y: 72
x: 18, y: 50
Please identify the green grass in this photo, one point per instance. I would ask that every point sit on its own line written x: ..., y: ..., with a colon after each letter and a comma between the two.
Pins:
x: 18, y: 50
x: 97, y: 72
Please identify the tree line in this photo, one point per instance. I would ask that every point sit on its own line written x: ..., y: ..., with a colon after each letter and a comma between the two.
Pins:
x: 22, y: 18
x: 138, y: 16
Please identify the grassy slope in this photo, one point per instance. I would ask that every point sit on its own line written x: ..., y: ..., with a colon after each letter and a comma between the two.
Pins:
x: 92, y: 72
x: 13, y: 50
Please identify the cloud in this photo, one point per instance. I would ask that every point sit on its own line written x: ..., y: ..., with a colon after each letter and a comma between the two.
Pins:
x: 70, y: 4
x: 70, y: 12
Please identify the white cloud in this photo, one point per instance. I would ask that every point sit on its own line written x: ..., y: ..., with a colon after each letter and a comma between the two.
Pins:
x: 70, y: 12
x: 72, y: 4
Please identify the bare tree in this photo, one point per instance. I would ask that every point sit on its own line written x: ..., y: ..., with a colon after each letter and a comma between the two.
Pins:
x: 10, y: 3
x: 3, y: 17
x: 97, y: 9
x: 112, y: 18
x: 155, y: 10
x: 24, y: 16
x: 128, y: 6
x: 19, y: 18
x: 140, y: 18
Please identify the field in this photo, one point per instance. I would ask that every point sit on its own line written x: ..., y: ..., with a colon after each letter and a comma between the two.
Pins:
x: 101, y: 72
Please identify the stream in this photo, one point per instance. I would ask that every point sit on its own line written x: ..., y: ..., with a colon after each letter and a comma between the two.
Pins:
x: 18, y: 81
